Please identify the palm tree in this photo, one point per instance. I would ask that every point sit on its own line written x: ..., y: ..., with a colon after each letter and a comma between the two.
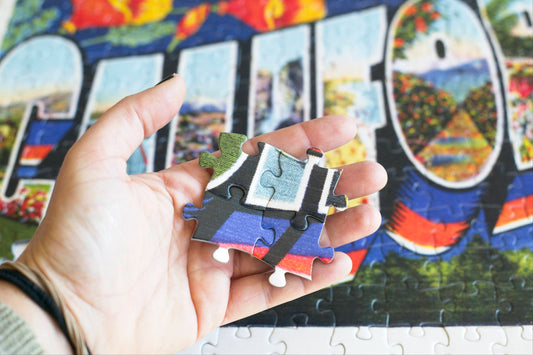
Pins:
x: 502, y: 22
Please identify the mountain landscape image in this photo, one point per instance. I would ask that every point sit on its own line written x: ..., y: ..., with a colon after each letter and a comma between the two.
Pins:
x: 445, y: 127
x: 200, y: 122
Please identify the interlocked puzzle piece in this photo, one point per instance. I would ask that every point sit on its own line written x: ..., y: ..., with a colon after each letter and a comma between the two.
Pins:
x: 227, y: 222
x: 304, y: 187
x: 270, y: 205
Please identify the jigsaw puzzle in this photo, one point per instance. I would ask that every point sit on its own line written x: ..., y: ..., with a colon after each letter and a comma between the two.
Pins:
x: 270, y: 205
x: 441, y: 90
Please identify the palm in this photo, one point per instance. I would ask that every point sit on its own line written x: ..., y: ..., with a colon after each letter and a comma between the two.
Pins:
x: 120, y: 251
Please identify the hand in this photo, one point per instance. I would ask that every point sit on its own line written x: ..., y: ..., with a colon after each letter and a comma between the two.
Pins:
x: 120, y: 252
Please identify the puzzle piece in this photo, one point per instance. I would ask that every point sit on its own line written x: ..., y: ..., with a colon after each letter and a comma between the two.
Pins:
x: 308, y: 340
x: 364, y: 340
x: 227, y: 222
x: 236, y: 168
x: 470, y: 340
x: 230, y: 149
x: 417, y: 340
x: 300, y: 336
x: 298, y: 197
x: 516, y: 341
x: 243, y: 340
x: 293, y: 250
x: 304, y: 187
x: 279, y: 222
x: 210, y: 339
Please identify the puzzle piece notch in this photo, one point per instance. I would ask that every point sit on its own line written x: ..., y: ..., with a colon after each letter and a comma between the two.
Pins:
x: 417, y: 339
x: 470, y: 340
x: 230, y: 151
x: 514, y: 341
x: 300, y: 187
x: 364, y: 340
x: 233, y: 168
x: 233, y: 340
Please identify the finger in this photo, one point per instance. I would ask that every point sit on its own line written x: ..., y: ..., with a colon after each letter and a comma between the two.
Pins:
x: 121, y: 129
x: 253, y: 294
x: 245, y: 264
x: 361, y: 179
x: 350, y: 225
x: 186, y: 182
x: 326, y: 133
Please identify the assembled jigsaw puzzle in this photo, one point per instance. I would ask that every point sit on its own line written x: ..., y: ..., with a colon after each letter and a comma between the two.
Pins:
x: 442, y: 93
x: 270, y: 205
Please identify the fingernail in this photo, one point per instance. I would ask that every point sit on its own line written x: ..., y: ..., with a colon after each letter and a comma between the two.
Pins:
x: 166, y: 78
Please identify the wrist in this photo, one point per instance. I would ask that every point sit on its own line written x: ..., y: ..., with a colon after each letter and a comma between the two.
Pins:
x: 68, y: 302
x: 43, y: 326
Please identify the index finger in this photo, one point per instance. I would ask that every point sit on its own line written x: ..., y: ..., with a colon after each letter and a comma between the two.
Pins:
x: 122, y: 128
x: 325, y: 133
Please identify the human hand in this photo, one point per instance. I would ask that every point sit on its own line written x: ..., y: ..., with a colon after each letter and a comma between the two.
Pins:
x: 119, y: 251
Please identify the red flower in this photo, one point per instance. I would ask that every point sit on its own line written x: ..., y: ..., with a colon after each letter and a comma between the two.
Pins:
x: 110, y: 13
x: 410, y: 11
x: 398, y: 42
x: 435, y: 15
x: 427, y: 7
x: 420, y: 25
x: 267, y: 15
x: 521, y: 85
x: 189, y: 24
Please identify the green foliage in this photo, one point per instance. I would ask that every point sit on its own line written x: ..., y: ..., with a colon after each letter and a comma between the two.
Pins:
x: 27, y: 20
x: 482, y: 284
x: 497, y: 13
x: 134, y: 35
x: 467, y: 287
x: 481, y: 105
x: 417, y: 19
x: 12, y: 231
x: 502, y: 23
x: 25, y: 10
x: 423, y: 110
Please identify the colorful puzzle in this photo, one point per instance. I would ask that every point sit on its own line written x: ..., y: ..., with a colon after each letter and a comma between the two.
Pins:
x: 270, y: 205
x: 442, y: 93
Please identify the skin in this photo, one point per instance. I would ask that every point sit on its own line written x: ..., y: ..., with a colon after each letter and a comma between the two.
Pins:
x: 120, y: 253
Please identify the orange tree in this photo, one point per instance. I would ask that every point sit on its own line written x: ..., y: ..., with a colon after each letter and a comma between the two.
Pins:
x: 423, y: 110
x: 417, y: 18
x: 481, y: 106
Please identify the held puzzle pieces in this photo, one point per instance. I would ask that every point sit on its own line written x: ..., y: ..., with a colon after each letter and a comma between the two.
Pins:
x: 270, y: 205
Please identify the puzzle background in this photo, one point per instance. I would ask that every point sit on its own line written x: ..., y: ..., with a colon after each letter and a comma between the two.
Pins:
x: 442, y: 91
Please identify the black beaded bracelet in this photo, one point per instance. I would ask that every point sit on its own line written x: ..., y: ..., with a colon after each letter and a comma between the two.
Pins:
x: 40, y: 297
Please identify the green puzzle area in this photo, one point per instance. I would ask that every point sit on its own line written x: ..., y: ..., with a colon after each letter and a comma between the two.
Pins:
x: 12, y: 231
x: 401, y: 291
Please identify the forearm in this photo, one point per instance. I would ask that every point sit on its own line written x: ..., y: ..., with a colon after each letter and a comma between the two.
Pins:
x: 45, y: 329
